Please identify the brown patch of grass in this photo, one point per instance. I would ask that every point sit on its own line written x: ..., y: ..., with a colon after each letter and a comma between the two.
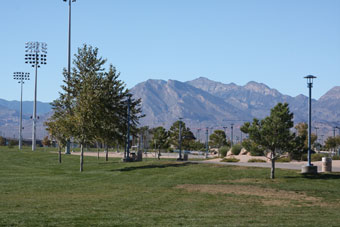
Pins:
x: 268, y: 196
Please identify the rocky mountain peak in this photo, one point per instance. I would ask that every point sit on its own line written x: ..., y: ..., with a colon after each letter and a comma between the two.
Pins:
x: 333, y: 94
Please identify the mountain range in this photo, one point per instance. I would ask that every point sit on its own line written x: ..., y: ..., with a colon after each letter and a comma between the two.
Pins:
x: 201, y: 103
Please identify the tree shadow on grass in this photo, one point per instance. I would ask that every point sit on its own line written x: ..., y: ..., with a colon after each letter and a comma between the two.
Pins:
x: 108, y: 162
x: 165, y: 165
x: 319, y: 176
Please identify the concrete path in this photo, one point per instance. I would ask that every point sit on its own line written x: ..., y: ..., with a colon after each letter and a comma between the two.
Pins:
x: 280, y: 165
x: 243, y: 161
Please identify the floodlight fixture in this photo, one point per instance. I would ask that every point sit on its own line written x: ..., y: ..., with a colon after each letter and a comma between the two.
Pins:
x: 36, y: 54
x: 21, y: 76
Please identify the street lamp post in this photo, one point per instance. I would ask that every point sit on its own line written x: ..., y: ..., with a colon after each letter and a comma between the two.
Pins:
x: 309, y: 168
x: 21, y: 76
x: 127, y: 147
x: 67, y: 148
x: 232, y: 134
x: 180, y: 139
x: 206, y: 142
x: 35, y: 56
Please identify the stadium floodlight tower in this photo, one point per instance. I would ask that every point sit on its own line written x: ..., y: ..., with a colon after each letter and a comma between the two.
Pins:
x: 21, y: 76
x: 35, y: 56
x: 309, y: 168
x: 67, y: 148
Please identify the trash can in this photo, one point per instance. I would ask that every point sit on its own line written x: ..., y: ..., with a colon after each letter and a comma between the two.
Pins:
x: 326, y: 164
x: 185, y: 158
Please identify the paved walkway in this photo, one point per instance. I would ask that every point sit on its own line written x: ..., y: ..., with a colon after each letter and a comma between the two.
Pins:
x: 243, y: 161
x: 280, y: 165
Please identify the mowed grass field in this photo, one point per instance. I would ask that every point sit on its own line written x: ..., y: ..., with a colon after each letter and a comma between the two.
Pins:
x: 35, y: 190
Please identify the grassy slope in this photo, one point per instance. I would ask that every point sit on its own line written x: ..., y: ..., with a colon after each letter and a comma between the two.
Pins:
x: 37, y: 191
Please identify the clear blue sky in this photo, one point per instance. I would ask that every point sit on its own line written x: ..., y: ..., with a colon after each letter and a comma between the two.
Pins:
x: 275, y: 42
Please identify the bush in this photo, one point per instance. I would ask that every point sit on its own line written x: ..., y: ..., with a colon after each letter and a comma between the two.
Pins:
x: 304, y: 157
x: 336, y: 157
x: 314, y: 157
x: 317, y: 157
x: 223, y: 151
x: 230, y: 160
x: 283, y: 159
x: 13, y: 143
x: 236, y: 149
x: 256, y: 160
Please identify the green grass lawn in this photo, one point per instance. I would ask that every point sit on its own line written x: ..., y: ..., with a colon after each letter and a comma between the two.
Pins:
x: 35, y: 190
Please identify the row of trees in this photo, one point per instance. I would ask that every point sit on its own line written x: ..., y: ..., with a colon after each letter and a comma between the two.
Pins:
x: 92, y: 106
x: 163, y: 139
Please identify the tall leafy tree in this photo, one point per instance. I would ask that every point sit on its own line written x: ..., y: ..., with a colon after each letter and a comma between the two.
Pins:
x: 217, y: 139
x: 93, y: 102
x: 58, y: 130
x: 273, y: 132
x: 332, y: 143
x: 187, y: 136
x: 300, y: 142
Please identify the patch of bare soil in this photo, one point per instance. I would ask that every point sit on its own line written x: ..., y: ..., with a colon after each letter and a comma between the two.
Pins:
x: 268, y: 196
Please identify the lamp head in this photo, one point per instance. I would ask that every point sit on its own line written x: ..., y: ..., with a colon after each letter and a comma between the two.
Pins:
x: 310, y: 79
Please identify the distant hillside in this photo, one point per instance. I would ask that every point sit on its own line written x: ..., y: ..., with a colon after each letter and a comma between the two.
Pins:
x: 201, y: 103
x: 206, y: 103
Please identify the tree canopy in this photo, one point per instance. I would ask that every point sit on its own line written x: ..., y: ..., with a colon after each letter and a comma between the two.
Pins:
x: 93, y: 103
x: 273, y: 132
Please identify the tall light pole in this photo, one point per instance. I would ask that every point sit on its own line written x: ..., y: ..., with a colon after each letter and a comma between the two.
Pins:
x: 309, y: 168
x: 67, y: 148
x: 316, y: 132
x: 127, y: 146
x: 206, y: 142
x: 180, y: 139
x: 198, y: 134
x: 35, y: 56
x: 21, y: 76
x: 232, y: 134
x: 338, y: 129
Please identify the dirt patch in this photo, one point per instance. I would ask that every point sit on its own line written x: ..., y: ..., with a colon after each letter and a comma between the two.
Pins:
x: 268, y: 196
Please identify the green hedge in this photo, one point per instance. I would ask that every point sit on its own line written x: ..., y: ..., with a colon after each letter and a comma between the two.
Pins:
x: 236, y: 149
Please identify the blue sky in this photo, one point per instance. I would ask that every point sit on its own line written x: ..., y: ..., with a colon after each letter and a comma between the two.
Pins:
x: 276, y: 42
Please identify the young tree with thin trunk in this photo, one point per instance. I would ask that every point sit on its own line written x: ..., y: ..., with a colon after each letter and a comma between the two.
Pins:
x: 272, y: 133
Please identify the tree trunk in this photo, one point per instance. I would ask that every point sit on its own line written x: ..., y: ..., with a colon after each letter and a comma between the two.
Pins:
x: 106, y: 153
x: 81, y: 157
x: 59, y: 154
x: 272, y: 172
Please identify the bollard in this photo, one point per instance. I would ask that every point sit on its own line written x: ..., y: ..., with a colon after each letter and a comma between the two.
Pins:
x: 326, y: 164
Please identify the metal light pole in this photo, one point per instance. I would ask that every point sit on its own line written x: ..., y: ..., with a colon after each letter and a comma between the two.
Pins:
x: 67, y: 148
x: 316, y: 133
x: 127, y: 146
x: 337, y: 127
x: 206, y: 142
x: 180, y: 138
x: 21, y: 76
x: 309, y: 168
x: 232, y: 134
x: 34, y: 58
